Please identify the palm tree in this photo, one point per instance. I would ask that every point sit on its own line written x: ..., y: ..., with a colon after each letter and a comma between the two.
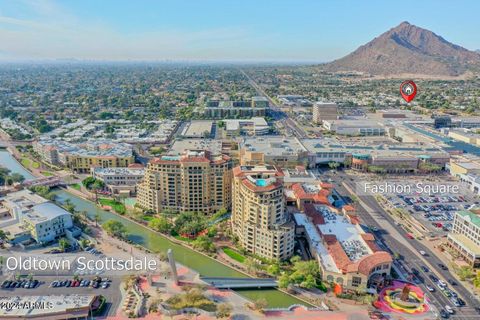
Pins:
x: 96, y: 218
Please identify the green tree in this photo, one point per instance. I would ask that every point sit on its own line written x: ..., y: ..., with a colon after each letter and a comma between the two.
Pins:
x: 160, y: 224
x: 309, y: 282
x: 115, y: 228
x: 204, y: 243
x: 274, y: 269
x: 260, y: 304
x: 284, y: 280
x: 252, y: 265
x: 63, y: 244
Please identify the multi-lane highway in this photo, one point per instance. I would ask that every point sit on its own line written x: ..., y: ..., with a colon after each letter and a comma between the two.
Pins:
x: 394, y: 238
x: 279, y: 115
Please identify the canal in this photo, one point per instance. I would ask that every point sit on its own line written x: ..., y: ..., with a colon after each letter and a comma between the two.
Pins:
x: 155, y: 242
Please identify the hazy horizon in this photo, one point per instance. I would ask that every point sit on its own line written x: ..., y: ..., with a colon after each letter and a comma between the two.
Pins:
x: 282, y: 31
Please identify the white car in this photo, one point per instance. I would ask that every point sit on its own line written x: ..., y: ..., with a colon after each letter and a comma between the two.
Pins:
x: 422, y: 252
x: 431, y: 289
x: 449, y: 309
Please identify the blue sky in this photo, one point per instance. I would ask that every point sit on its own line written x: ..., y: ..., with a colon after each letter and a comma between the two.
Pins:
x: 277, y: 30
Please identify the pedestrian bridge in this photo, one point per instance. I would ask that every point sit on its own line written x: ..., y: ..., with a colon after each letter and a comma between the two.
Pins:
x: 240, y: 283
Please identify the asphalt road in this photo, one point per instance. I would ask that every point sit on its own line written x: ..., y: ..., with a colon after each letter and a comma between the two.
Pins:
x: 395, y: 239
x: 283, y: 117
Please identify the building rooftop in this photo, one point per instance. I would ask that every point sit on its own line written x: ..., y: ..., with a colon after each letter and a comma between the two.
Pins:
x: 118, y: 171
x: 470, y: 216
x: 315, y: 146
x: 179, y: 147
x: 273, y: 145
x: 197, y: 128
x: 45, y: 211
x: 60, y: 304
x: 91, y: 147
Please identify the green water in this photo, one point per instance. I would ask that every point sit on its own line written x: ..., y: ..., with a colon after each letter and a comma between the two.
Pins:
x: 198, y: 262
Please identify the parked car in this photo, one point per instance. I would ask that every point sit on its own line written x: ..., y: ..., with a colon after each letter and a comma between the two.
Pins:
x: 444, y: 314
x: 449, y: 309
x: 425, y: 269
x: 452, y: 282
x: 442, y: 266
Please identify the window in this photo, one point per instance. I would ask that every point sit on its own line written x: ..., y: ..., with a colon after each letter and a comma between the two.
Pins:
x: 356, y: 281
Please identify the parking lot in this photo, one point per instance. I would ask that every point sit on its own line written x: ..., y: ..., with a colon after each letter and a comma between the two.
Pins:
x: 435, y: 212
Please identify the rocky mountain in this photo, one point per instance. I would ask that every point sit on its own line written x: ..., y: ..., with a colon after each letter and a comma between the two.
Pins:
x: 408, y: 49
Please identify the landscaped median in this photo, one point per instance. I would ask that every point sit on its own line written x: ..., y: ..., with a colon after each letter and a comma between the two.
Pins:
x: 234, y: 255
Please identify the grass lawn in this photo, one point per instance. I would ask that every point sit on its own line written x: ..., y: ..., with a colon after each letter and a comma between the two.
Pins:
x: 234, y: 255
x: 76, y: 186
x: 146, y: 217
x: 27, y: 163
x: 47, y: 173
x: 183, y: 238
x: 117, y: 206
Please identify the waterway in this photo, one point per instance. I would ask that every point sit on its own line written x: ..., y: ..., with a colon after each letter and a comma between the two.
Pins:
x: 154, y: 242
x: 453, y: 144
x: 9, y: 162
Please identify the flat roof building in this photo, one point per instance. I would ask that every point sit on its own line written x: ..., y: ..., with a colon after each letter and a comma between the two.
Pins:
x: 346, y: 254
x: 51, y: 307
x: 39, y: 218
x: 198, y: 129
x: 355, y: 127
x: 464, y: 238
x: 255, y: 126
x: 276, y: 150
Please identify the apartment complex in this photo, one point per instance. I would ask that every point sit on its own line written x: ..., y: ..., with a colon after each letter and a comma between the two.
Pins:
x: 259, y: 219
x: 256, y: 107
x: 120, y: 180
x: 346, y: 254
x: 464, y: 238
x: 34, y: 217
x: 195, y: 181
x: 324, y: 111
x: 81, y: 157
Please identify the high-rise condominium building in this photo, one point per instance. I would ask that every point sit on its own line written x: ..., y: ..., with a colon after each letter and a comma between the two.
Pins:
x: 259, y: 218
x: 196, y: 181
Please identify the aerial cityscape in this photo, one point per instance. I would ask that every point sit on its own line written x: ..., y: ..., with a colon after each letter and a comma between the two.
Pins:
x: 164, y: 160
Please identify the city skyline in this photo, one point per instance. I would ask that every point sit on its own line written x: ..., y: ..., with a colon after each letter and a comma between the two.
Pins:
x: 303, y: 31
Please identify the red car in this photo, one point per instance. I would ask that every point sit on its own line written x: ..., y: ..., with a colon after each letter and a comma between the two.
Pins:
x: 410, y: 236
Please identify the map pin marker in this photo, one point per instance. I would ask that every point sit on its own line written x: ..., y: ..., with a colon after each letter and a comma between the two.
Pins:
x: 408, y: 90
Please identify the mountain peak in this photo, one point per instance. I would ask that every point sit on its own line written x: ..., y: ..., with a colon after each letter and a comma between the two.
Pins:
x: 408, y: 49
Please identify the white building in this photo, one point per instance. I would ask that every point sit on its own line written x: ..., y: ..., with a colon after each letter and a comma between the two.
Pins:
x: 35, y: 217
x: 120, y: 180
x: 465, y: 237
x: 322, y: 111
x: 355, y: 127
x: 254, y: 126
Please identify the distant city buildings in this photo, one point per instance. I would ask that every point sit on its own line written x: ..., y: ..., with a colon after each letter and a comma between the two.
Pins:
x: 121, y: 181
x: 324, y: 111
x: 346, y: 254
x: 33, y: 217
x: 82, y: 156
x: 259, y: 218
x: 195, y: 181
x: 464, y: 239
x: 256, y: 107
